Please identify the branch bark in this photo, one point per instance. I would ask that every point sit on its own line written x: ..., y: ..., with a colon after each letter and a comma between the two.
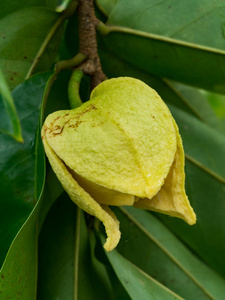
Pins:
x: 88, y: 43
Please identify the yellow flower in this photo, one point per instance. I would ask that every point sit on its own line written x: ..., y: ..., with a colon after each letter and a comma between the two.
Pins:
x: 122, y: 147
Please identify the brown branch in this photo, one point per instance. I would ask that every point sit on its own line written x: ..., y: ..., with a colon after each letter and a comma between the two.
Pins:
x: 88, y: 43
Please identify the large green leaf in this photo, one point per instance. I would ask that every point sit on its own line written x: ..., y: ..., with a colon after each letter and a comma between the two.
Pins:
x: 56, y: 252
x: 67, y: 265
x: 9, y: 7
x: 202, y: 144
x: 204, y: 150
x: 138, y: 284
x: 178, y: 40
x: 198, y: 101
x: 19, y: 271
x: 17, y: 163
x: 182, y: 96
x: 148, y: 244
x: 9, y: 121
x: 22, y: 255
x: 206, y: 238
x: 29, y: 39
x: 22, y: 177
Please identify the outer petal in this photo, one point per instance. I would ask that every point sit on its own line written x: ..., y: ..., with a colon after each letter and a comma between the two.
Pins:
x: 122, y: 139
x: 172, y: 199
x: 83, y: 199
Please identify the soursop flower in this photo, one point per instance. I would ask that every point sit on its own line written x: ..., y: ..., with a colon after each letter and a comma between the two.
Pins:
x: 122, y: 147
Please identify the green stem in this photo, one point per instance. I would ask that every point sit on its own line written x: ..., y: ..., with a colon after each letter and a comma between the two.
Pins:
x: 102, y: 28
x: 61, y: 65
x: 70, y: 63
x: 73, y: 88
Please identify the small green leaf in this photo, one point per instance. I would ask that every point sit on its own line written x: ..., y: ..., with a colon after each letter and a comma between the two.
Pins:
x: 9, y: 122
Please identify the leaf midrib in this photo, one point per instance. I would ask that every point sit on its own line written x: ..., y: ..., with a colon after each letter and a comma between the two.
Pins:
x: 59, y: 21
x: 114, y: 28
x: 167, y: 252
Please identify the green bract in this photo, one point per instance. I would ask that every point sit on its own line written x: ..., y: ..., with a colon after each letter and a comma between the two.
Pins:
x: 120, y: 148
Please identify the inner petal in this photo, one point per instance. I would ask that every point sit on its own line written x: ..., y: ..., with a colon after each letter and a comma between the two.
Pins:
x: 102, y: 194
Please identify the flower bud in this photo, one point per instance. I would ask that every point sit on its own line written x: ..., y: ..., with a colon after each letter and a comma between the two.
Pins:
x: 122, y: 147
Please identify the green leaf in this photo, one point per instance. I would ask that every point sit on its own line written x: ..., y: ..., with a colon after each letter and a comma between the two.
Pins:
x: 217, y: 101
x: 96, y: 277
x: 22, y: 188
x: 189, y: 34
x: 138, y: 284
x: 67, y: 265
x: 56, y: 252
x: 9, y: 7
x: 19, y: 271
x: 148, y: 244
x: 29, y: 40
x: 205, y: 180
x: 202, y: 144
x: 198, y: 102
x: 17, y: 163
x: 106, y: 6
x: 9, y: 121
x: 206, y: 194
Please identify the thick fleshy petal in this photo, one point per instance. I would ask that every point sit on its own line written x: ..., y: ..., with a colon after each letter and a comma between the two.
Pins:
x: 120, y: 148
x: 82, y: 199
x: 122, y: 139
x: 172, y: 199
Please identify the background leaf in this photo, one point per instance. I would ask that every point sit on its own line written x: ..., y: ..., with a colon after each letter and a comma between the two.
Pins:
x: 9, y: 121
x: 138, y: 284
x: 17, y: 164
x: 164, y: 257
x: 67, y: 265
x: 24, y: 42
x: 9, y: 7
x: 20, y: 176
x: 190, y: 35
